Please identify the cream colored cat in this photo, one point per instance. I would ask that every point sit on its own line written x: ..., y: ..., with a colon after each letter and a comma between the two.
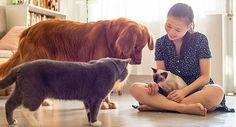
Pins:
x: 167, y: 80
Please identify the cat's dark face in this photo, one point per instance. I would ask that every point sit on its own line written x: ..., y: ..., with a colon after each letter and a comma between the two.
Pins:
x: 159, y: 75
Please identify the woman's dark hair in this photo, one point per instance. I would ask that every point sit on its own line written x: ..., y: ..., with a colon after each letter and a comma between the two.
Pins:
x: 183, y: 11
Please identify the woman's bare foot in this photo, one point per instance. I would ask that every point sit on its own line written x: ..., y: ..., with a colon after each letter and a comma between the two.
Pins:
x: 196, y: 109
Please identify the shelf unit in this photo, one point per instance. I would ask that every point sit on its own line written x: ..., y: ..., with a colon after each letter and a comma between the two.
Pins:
x: 28, y: 14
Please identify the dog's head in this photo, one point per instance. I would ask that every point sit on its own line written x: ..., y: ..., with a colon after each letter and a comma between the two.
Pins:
x: 132, y: 37
x: 159, y: 75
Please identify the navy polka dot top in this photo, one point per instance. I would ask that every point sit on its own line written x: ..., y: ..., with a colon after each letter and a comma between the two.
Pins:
x: 186, y: 65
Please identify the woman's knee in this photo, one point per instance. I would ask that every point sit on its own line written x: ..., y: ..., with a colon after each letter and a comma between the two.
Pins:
x: 215, y: 89
x: 133, y: 88
x: 136, y: 89
x: 215, y: 93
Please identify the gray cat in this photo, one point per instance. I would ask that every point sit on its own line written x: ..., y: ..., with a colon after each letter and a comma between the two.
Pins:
x: 89, y: 82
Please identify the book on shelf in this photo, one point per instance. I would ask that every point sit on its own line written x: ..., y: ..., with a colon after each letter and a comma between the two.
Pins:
x: 34, y: 18
x: 49, y: 4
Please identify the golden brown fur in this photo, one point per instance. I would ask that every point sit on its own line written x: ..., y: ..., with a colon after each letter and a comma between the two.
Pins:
x: 75, y: 41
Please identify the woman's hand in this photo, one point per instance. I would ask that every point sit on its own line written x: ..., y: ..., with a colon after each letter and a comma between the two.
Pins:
x: 176, y: 95
x: 153, y: 88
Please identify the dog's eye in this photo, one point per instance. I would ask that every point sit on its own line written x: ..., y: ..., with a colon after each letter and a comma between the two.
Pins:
x: 137, y: 49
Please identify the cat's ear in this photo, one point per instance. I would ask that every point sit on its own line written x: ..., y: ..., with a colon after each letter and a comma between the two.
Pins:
x: 154, y: 70
x: 127, y: 60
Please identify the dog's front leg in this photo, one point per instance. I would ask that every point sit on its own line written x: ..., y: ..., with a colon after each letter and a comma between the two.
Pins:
x: 108, y: 104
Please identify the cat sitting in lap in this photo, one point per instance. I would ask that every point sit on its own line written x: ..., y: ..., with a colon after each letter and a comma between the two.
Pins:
x: 167, y: 81
x: 89, y: 82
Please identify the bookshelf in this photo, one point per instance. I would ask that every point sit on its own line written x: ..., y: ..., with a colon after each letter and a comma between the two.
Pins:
x: 29, y: 14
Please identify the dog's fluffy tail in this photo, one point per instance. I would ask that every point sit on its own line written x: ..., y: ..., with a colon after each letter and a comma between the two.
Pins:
x: 9, y: 79
x: 14, y: 60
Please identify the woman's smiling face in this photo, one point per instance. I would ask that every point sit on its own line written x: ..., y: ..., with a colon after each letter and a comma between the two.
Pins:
x: 176, y: 28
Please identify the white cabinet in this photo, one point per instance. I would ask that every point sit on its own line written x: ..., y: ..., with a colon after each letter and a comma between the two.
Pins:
x: 215, y: 29
x: 28, y: 15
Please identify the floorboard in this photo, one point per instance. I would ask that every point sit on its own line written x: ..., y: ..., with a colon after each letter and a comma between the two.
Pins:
x: 71, y: 114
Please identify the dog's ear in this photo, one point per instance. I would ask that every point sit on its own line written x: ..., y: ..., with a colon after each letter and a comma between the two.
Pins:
x: 164, y: 74
x: 154, y: 70
x: 127, y: 40
x: 150, y: 36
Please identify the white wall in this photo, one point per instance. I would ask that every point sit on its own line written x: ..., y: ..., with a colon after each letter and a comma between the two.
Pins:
x: 211, y: 26
x: 76, y: 9
x: 214, y: 28
x: 3, y: 2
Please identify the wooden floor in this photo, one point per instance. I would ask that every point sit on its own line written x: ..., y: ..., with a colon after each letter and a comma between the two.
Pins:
x: 72, y: 114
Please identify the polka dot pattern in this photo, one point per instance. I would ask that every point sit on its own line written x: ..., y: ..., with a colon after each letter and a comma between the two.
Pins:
x: 186, y: 65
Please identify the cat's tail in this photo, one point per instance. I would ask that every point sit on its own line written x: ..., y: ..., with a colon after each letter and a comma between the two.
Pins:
x: 9, y: 79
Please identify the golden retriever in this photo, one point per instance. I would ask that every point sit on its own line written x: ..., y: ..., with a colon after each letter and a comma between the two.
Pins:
x: 75, y: 41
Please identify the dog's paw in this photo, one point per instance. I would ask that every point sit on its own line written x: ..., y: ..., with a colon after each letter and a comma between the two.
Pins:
x: 113, y: 105
x: 104, y: 105
x: 97, y: 123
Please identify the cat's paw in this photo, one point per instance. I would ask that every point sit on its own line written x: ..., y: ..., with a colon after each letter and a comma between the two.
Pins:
x: 97, y: 123
x: 13, y: 123
x: 47, y: 102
